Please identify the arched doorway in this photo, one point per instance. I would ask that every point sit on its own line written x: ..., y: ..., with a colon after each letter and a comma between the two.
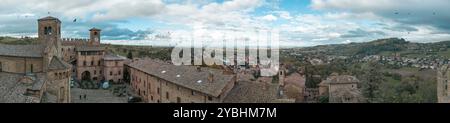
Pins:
x: 86, y: 76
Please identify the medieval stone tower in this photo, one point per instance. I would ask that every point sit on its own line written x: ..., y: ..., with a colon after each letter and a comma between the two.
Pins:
x: 49, y: 31
x: 95, y: 37
x: 443, y: 77
x: 49, y: 35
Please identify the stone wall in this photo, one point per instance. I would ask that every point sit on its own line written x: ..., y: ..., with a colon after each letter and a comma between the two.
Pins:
x: 90, y: 63
x: 155, y: 90
x: 113, y: 70
x: 442, y: 84
x: 58, y: 83
x: 20, y: 64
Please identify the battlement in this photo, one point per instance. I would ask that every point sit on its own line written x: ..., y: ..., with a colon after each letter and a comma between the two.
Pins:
x: 74, y: 41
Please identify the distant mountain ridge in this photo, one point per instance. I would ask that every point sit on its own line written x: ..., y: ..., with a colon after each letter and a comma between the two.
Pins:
x: 380, y: 46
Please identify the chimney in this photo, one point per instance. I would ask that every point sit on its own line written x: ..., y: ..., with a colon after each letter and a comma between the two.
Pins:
x: 211, y: 77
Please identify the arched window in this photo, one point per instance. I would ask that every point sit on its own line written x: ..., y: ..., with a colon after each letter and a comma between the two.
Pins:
x: 62, y: 94
x: 47, y: 30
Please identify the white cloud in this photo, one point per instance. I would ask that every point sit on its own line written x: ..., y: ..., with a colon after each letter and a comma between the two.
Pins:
x: 334, y: 22
x: 269, y: 18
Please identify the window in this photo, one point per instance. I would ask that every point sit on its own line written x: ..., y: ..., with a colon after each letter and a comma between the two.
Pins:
x: 99, y: 63
x: 95, y: 72
x: 178, y: 88
x: 31, y: 68
x: 101, y: 71
x: 209, y: 98
x: 0, y: 66
x: 151, y: 97
x: 167, y: 95
x: 158, y: 90
x: 119, y: 72
x: 178, y: 100
x: 193, y: 93
x: 110, y: 73
x: 92, y: 63
x: 117, y: 63
x: 84, y: 63
x: 62, y: 94
x: 47, y: 30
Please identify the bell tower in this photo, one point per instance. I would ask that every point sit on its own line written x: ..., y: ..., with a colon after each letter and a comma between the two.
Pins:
x: 49, y: 30
x: 95, y: 36
x: 49, y: 35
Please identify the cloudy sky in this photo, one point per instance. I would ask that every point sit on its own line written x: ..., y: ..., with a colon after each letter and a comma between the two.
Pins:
x: 301, y: 22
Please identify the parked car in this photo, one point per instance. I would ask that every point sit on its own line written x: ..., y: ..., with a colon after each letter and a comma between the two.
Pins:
x: 72, y: 83
x: 134, y: 99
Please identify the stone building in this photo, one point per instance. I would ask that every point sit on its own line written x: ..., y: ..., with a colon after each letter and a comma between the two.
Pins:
x: 36, y: 73
x: 91, y: 61
x: 443, y: 92
x: 341, y: 89
x: 159, y: 82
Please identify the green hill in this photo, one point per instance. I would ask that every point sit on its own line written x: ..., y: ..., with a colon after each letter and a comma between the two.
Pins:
x: 18, y: 41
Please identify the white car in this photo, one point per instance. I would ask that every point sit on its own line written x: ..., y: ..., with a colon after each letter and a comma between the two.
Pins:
x: 72, y: 83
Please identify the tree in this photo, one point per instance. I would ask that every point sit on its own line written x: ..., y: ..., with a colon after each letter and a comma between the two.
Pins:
x: 130, y: 55
x: 371, y: 80
x: 126, y: 75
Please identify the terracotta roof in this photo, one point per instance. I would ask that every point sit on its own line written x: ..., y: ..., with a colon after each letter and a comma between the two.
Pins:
x: 21, y: 50
x: 113, y: 57
x: 341, y: 79
x: 95, y: 29
x: 186, y: 76
x: 49, y: 18
x: 252, y: 92
x: 296, y: 79
x: 58, y: 64
x: 90, y: 48
x: 13, y: 91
